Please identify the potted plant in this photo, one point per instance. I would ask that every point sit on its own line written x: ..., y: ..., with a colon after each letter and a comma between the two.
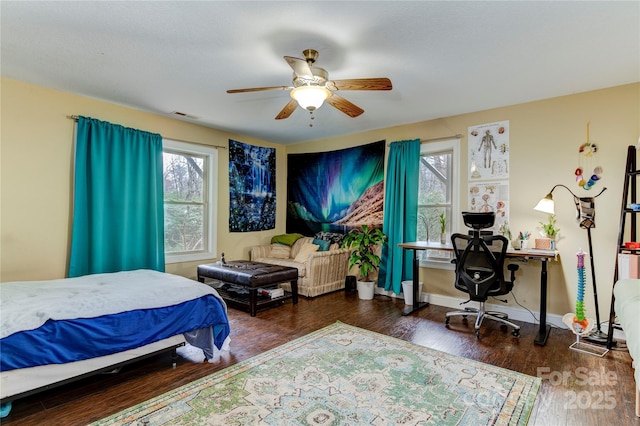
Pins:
x: 443, y: 228
x: 550, y: 232
x: 365, y: 242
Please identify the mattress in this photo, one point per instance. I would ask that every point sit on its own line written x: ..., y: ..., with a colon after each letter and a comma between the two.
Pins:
x: 68, y: 320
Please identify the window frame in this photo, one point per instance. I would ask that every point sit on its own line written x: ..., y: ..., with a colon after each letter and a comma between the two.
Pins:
x: 210, y: 192
x: 452, y: 145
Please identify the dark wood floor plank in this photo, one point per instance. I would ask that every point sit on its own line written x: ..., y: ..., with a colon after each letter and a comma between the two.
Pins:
x: 560, y: 402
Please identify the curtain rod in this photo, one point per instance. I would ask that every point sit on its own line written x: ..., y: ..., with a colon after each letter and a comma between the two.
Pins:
x: 458, y: 136
x: 75, y: 118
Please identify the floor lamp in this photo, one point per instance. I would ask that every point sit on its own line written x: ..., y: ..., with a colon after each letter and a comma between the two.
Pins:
x: 585, y: 216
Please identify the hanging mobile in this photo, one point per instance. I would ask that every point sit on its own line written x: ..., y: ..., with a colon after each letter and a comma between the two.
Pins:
x: 586, y: 151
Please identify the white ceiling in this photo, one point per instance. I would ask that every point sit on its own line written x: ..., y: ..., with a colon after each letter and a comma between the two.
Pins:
x: 443, y: 57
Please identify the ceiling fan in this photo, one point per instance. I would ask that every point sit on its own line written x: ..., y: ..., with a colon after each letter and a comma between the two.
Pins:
x: 311, y: 87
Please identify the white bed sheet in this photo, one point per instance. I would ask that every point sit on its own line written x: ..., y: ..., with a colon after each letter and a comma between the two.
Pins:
x: 22, y: 306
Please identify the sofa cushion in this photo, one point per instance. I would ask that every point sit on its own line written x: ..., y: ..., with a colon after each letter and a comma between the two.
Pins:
x: 280, y: 251
x: 305, y: 251
x: 286, y: 239
x: 301, y: 267
x: 322, y: 244
x: 295, y: 248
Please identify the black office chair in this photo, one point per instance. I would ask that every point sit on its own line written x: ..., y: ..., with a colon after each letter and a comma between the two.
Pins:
x: 479, y: 261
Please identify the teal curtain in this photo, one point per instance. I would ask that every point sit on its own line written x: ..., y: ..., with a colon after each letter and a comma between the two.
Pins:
x: 400, y: 213
x: 118, y: 208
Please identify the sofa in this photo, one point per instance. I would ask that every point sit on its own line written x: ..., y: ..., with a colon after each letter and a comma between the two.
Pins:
x: 627, y: 305
x: 322, y: 265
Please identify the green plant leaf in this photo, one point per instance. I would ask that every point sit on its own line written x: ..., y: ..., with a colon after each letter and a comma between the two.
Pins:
x: 364, y: 241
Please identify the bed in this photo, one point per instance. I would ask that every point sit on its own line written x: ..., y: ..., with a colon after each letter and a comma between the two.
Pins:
x: 54, y: 331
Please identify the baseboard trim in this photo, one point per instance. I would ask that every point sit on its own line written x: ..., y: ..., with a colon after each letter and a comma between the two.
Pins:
x: 515, y: 312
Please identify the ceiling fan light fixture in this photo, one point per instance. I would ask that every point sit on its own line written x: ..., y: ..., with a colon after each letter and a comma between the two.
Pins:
x: 310, y: 97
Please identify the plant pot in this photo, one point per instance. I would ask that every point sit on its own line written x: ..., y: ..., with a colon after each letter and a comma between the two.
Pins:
x: 544, y: 243
x: 443, y: 238
x: 366, y: 289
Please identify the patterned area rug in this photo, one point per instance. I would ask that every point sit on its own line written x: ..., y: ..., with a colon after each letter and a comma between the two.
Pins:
x: 344, y: 375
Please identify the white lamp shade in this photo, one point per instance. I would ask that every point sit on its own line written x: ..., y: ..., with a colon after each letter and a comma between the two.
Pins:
x: 546, y: 205
x: 310, y: 97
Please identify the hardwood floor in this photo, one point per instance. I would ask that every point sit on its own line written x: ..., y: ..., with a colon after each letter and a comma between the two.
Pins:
x: 577, y: 389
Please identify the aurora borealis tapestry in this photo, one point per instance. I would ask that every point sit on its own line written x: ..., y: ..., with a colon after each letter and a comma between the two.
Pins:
x: 252, y: 187
x: 335, y: 191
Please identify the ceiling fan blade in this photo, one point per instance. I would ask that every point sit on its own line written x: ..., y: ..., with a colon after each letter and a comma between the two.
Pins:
x: 260, y: 89
x: 287, y: 110
x: 300, y: 67
x: 344, y: 105
x: 360, y: 84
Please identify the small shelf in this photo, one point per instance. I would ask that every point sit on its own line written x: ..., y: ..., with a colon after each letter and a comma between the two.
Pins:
x: 241, y: 301
x: 628, y: 199
x: 623, y: 249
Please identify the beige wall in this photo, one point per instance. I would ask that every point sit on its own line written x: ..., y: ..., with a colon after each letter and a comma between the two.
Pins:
x: 544, y: 141
x: 35, y: 178
x: 36, y: 140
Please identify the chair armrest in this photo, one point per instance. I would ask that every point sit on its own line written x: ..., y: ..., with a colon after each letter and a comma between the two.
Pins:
x: 513, y: 268
x: 324, y: 267
x: 258, y: 252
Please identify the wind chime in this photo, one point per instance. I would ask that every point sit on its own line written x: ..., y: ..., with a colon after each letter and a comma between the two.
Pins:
x: 586, y: 153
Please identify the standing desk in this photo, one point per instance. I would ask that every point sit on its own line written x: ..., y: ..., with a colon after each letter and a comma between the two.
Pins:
x: 527, y: 254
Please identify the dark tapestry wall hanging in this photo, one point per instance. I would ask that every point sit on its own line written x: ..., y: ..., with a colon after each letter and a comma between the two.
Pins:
x: 335, y: 191
x: 252, y: 187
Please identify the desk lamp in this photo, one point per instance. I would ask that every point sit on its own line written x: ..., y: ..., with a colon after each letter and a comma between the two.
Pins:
x: 585, y: 216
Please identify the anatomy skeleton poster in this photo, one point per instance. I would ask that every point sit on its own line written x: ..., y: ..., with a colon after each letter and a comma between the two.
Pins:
x: 489, y: 151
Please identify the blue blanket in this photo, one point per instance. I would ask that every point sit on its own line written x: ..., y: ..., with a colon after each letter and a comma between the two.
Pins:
x: 62, y: 341
x: 73, y: 319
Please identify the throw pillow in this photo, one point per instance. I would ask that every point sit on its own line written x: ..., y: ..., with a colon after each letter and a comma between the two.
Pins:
x: 333, y: 237
x: 324, y: 245
x: 280, y: 251
x: 305, y: 251
x: 286, y: 239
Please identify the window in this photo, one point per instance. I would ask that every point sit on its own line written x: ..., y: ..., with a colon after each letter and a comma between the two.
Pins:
x: 437, y: 194
x: 190, y: 182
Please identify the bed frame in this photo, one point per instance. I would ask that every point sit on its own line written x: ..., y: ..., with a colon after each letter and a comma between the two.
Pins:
x: 95, y: 307
x: 19, y: 383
